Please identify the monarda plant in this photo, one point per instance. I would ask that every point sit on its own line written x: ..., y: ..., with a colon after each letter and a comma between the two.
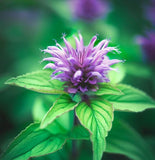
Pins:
x: 80, y: 76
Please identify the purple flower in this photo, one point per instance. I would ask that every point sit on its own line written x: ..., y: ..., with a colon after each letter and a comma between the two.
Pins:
x: 90, y: 9
x: 150, y: 12
x: 81, y: 68
x: 147, y: 43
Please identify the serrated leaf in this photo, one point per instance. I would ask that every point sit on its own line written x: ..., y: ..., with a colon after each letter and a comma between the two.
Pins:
x: 62, y: 105
x: 39, y: 81
x: 33, y: 142
x: 97, y: 118
x: 107, y: 89
x: 123, y: 139
x: 133, y: 99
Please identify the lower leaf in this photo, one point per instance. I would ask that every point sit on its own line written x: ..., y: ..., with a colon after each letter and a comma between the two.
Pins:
x: 123, y: 139
x: 97, y: 118
x: 33, y: 142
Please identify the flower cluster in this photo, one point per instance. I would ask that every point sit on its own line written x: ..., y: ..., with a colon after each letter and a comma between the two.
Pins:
x: 81, y: 68
x: 147, y: 43
x: 150, y: 12
x: 90, y: 9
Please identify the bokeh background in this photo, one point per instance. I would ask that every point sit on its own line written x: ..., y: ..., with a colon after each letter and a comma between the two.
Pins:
x: 28, y: 26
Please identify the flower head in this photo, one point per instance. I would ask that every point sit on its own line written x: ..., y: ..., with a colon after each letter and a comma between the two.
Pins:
x: 81, y: 68
x: 90, y: 9
x: 147, y: 43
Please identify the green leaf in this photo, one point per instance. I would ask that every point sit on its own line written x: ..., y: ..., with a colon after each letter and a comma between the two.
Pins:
x: 123, y: 139
x: 97, y: 118
x: 107, y: 89
x: 39, y: 81
x: 62, y: 105
x: 33, y: 142
x: 132, y: 100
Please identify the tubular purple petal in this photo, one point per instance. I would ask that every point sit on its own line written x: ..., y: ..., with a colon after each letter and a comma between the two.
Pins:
x: 83, y: 89
x: 91, y: 44
x: 103, y: 44
x: 114, y: 61
x: 77, y: 74
x: 50, y: 65
x: 72, y: 90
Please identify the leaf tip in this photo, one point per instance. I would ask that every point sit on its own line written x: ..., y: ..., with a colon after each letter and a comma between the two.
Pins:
x: 9, y: 81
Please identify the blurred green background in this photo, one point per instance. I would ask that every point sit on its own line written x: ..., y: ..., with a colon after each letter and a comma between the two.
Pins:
x: 27, y: 26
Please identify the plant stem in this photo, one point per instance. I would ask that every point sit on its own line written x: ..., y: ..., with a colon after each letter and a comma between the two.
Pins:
x: 74, y: 153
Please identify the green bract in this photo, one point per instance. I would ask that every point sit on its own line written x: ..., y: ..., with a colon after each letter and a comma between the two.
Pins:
x: 94, y: 113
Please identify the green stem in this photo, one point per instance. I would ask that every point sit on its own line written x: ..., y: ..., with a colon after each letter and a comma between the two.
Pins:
x: 74, y: 154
